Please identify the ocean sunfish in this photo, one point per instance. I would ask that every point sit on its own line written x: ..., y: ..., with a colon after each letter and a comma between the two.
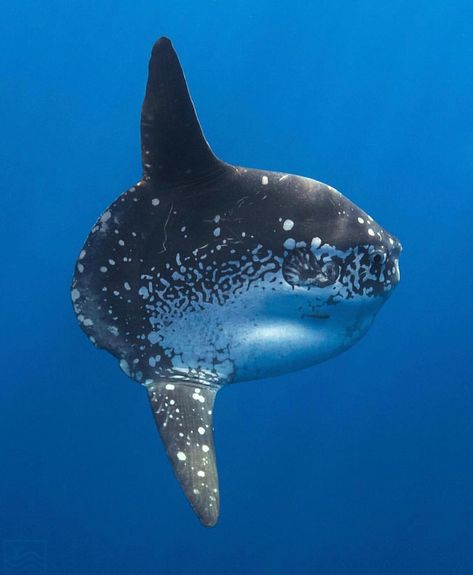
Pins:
x: 204, y: 274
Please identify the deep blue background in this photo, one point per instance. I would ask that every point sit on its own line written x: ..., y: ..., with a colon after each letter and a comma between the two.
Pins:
x: 363, y: 465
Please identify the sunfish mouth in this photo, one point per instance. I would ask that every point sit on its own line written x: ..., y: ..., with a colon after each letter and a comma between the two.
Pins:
x: 316, y: 315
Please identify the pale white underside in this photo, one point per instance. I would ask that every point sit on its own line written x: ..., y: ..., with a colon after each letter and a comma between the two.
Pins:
x: 262, y: 333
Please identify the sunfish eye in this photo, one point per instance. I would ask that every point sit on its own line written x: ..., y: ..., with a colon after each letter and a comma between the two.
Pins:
x: 301, y: 268
x: 377, y: 256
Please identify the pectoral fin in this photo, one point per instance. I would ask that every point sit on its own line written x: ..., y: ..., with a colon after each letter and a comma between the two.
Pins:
x: 183, y: 414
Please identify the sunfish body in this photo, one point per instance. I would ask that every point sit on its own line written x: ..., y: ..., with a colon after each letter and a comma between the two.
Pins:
x: 204, y: 274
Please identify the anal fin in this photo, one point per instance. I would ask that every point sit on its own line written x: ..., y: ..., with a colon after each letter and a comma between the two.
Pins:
x: 183, y: 414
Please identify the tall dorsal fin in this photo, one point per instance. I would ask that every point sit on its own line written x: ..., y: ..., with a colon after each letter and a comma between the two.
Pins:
x: 173, y: 146
x: 183, y: 414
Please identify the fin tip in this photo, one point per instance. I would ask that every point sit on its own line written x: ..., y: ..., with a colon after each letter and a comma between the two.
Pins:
x: 209, y: 523
x: 161, y: 44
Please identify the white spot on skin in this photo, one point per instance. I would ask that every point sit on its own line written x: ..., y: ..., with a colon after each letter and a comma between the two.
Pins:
x: 264, y: 180
x: 290, y: 244
x: 82, y: 255
x: 153, y: 337
x: 201, y: 473
x: 155, y: 202
x: 127, y: 286
x: 88, y: 322
x: 121, y: 243
x: 201, y: 430
x: 103, y: 269
x: 216, y: 232
x: 125, y: 367
x: 205, y: 448
x: 143, y: 292
x: 288, y: 225
x: 105, y: 216
x: 75, y: 294
x: 80, y: 267
x: 198, y: 397
x: 181, y: 456
x: 170, y: 386
x: 315, y: 243
x: 370, y: 232
x: 361, y: 221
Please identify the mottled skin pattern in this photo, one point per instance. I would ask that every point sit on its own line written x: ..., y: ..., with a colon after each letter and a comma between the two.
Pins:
x: 204, y: 274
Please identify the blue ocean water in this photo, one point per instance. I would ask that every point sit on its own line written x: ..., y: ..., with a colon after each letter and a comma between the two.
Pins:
x: 362, y: 465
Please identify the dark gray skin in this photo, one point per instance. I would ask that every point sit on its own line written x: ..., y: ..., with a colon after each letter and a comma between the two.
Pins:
x: 205, y: 274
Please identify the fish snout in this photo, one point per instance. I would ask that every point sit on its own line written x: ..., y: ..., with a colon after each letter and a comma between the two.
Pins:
x: 390, y: 273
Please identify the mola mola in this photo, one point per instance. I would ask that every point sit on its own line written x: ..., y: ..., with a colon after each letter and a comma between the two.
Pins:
x: 204, y: 274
